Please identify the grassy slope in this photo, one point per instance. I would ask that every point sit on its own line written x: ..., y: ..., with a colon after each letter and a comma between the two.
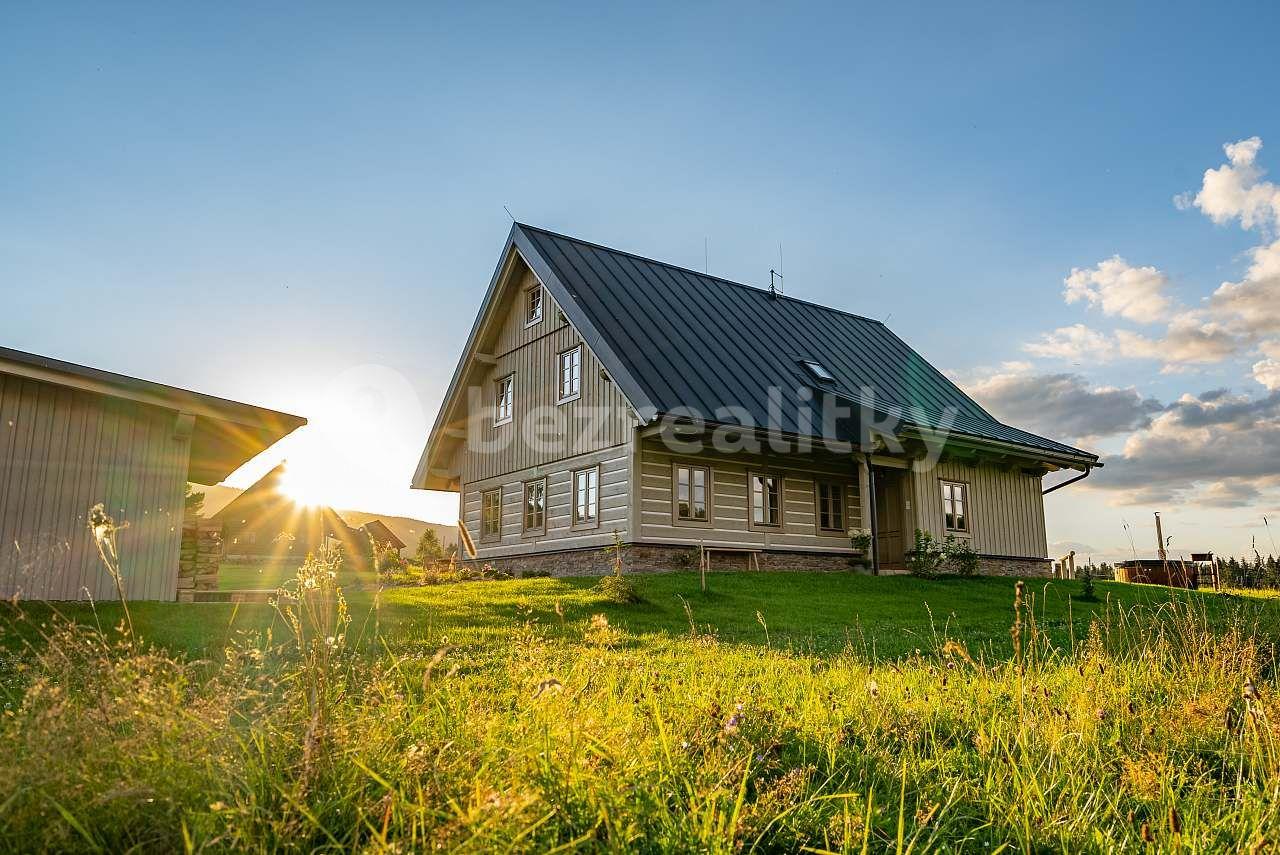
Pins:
x: 819, y: 613
x: 498, y: 716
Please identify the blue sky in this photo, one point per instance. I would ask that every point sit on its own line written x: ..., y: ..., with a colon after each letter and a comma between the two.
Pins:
x: 300, y: 207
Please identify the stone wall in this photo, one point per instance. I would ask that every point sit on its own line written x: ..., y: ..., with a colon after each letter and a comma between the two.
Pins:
x: 199, y: 558
x: 652, y: 558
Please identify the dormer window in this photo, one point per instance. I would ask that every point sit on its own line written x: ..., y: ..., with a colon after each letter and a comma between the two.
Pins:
x: 818, y: 371
x: 533, y: 306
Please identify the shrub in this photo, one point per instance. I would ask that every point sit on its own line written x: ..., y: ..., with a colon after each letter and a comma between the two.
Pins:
x: 618, y: 589
x: 925, y: 558
x: 961, y: 558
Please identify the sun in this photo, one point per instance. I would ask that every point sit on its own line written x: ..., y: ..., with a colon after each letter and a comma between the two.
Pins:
x: 303, y: 487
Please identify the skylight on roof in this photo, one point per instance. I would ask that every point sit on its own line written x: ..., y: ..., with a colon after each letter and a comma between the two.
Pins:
x: 820, y: 373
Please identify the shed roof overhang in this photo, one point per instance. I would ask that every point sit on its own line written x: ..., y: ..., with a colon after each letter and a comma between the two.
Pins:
x: 224, y: 434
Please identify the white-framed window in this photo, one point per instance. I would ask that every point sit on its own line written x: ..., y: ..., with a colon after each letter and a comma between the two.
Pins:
x: 535, y: 506
x: 955, y: 506
x: 692, y: 490
x: 504, y: 396
x: 571, y: 374
x: 586, y: 497
x: 766, y: 500
x: 491, y: 515
x: 830, y: 497
x: 533, y: 305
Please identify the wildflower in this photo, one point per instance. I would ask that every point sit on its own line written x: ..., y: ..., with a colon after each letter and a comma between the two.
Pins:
x: 873, y: 688
x: 731, y: 724
x: 331, y: 642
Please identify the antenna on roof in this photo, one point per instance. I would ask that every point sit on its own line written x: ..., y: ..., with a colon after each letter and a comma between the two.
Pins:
x: 776, y: 279
x: 775, y: 283
x: 706, y: 256
x: 509, y: 214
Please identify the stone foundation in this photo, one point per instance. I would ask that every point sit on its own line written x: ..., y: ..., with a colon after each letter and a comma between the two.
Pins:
x: 1005, y: 565
x: 651, y: 558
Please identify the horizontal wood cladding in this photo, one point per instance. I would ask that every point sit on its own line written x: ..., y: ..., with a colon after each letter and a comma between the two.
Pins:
x: 730, y: 501
x: 63, y: 451
x: 542, y: 430
x: 1006, y: 508
x: 614, y: 505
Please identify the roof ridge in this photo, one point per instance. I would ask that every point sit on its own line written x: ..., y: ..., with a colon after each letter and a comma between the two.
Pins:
x: 711, y: 276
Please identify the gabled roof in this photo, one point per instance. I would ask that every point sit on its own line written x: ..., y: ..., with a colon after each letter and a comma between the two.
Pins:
x: 673, y: 338
x: 382, y: 533
x: 224, y: 434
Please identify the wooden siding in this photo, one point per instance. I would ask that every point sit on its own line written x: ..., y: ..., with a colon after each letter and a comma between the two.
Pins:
x: 614, y: 497
x: 61, y: 452
x: 730, y: 504
x: 542, y: 431
x: 1006, y: 509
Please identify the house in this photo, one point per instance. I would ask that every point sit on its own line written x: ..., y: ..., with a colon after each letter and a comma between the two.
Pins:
x: 265, y: 522
x: 602, y: 394
x: 73, y: 436
x: 378, y: 532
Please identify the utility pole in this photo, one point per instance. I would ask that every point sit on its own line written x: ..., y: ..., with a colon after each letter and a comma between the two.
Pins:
x: 1160, y: 550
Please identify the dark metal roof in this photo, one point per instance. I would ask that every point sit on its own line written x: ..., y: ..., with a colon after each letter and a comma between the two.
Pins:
x: 225, y: 433
x: 687, y: 340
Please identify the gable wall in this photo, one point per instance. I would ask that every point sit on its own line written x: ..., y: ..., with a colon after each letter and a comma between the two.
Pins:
x: 541, y: 430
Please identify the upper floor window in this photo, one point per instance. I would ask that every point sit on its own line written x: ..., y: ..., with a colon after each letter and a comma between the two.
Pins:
x: 691, y: 492
x: 491, y: 515
x: 535, y: 507
x: 533, y: 305
x: 830, y: 506
x: 766, y: 500
x: 955, y: 506
x: 571, y: 374
x: 504, y: 399
x: 586, y: 496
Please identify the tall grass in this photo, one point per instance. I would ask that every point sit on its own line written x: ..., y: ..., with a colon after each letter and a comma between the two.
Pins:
x: 1158, y: 728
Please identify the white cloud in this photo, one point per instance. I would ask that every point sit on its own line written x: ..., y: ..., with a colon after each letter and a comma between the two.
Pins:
x: 1253, y: 303
x: 1063, y: 405
x: 1267, y: 372
x: 1134, y: 293
x: 1190, y: 339
x: 1236, y: 190
x: 1215, y: 446
x: 1076, y: 343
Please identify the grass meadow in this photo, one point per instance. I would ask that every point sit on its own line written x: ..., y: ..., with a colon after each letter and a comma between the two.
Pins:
x: 774, y: 712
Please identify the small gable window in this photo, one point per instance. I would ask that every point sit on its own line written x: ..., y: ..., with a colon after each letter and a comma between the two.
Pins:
x: 504, y: 399
x: 570, y: 374
x: 818, y: 371
x: 533, y: 306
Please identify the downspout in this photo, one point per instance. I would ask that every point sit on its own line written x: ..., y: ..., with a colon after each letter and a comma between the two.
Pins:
x: 1069, y: 481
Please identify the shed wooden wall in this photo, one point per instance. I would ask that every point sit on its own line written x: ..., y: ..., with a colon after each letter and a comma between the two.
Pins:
x: 729, y: 502
x: 61, y: 452
x: 1006, y: 508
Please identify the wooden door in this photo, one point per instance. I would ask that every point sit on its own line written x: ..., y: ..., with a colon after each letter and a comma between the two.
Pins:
x: 890, y: 541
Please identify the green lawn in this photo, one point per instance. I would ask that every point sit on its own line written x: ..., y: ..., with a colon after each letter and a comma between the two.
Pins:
x: 819, y: 613
x: 259, y: 575
x: 776, y: 712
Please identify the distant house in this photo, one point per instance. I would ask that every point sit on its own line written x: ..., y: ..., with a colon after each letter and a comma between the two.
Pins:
x: 72, y: 436
x: 266, y: 522
x: 378, y: 532
x: 602, y: 394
